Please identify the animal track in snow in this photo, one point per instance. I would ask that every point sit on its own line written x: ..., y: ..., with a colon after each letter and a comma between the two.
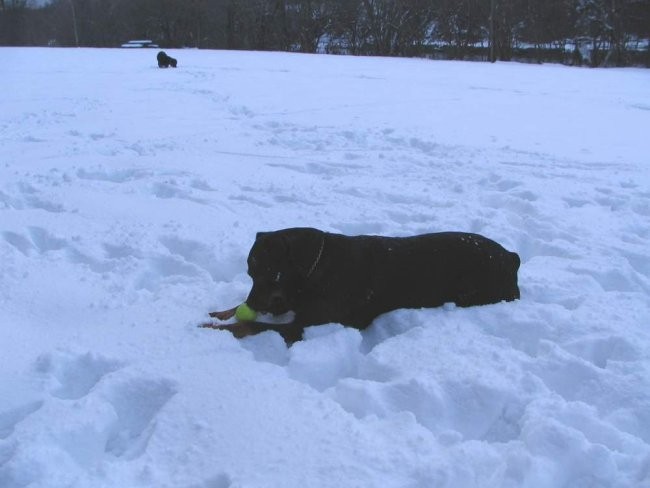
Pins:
x: 105, y: 411
x: 44, y: 241
x: 317, y: 169
x: 20, y: 242
x: 75, y: 375
x: 221, y: 265
x: 166, y: 268
x: 252, y: 200
x: 574, y: 202
x: 30, y: 198
x: 39, y: 240
x: 10, y: 418
x: 172, y: 189
x: 136, y: 402
x: 114, y: 176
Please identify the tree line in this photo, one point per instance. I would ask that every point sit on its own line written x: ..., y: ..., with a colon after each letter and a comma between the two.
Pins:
x: 593, y: 32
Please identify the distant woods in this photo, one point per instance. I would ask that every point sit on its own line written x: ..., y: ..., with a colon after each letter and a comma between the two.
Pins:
x: 583, y: 32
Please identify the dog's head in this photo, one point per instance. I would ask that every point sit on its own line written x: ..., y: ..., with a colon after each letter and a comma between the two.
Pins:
x: 280, y: 264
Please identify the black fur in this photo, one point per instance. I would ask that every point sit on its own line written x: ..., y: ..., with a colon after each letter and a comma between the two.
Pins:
x: 325, y: 277
x: 165, y: 61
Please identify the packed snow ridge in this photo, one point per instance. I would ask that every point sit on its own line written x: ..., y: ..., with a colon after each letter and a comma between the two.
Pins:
x: 130, y: 196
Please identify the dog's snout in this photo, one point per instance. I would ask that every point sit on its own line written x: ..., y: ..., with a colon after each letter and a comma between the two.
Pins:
x: 273, y: 301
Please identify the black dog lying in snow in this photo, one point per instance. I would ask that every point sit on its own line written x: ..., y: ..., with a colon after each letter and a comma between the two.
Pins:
x: 325, y: 277
x: 165, y: 61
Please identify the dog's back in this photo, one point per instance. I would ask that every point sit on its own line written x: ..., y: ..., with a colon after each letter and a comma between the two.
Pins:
x: 432, y: 269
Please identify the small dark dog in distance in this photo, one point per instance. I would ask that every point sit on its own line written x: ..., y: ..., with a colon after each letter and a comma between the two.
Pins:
x: 165, y: 61
x: 324, y: 277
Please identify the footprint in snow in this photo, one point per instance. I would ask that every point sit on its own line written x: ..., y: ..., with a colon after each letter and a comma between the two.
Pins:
x: 113, y: 176
x: 137, y: 402
x: 74, y: 376
x: 30, y: 198
x: 123, y: 407
x: 10, y: 418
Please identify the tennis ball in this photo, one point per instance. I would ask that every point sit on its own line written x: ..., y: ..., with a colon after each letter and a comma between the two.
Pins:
x: 245, y: 314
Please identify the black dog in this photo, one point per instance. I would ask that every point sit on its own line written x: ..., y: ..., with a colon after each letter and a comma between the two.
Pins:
x: 325, y: 277
x: 165, y: 61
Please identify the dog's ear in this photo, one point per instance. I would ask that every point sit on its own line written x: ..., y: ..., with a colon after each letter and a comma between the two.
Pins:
x: 304, y: 248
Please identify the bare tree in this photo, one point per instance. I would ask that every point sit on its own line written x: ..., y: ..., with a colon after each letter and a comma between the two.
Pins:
x: 74, y: 23
x: 396, y: 27
x: 308, y: 22
x: 461, y: 24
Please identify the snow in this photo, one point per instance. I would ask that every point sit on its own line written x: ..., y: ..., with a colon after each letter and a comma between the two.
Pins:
x: 130, y: 196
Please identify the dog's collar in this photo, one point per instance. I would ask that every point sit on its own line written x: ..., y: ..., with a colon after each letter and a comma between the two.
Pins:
x: 317, y: 260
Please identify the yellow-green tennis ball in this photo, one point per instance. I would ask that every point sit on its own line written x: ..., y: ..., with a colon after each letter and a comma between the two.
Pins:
x: 245, y: 314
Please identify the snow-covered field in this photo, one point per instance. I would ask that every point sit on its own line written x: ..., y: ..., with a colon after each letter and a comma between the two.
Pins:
x: 130, y: 196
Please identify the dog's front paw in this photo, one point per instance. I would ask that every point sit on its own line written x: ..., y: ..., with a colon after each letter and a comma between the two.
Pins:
x: 239, y: 329
x: 224, y: 314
